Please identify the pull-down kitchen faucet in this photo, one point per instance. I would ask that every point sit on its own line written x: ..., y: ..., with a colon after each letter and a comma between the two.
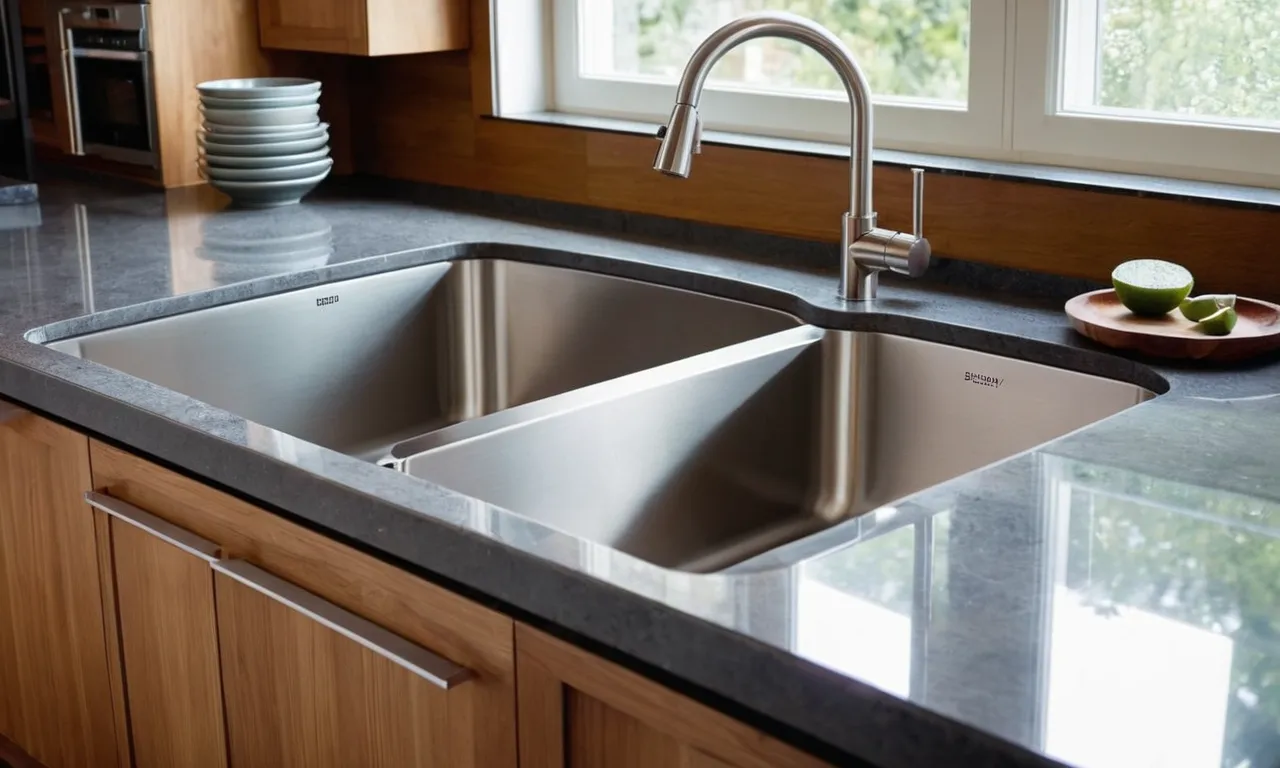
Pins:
x: 866, y: 248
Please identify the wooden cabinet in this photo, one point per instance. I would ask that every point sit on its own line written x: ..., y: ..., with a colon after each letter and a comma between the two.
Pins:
x: 364, y: 27
x: 327, y: 657
x: 56, y: 698
x: 577, y: 709
x: 161, y: 585
x: 164, y: 623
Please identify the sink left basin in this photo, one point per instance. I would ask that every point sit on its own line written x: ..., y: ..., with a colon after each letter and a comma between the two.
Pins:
x: 362, y: 364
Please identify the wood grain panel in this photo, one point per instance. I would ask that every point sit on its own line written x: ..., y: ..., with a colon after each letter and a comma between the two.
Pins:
x: 111, y: 630
x: 192, y: 43
x: 300, y: 695
x: 1072, y: 232
x: 55, y: 688
x: 481, y: 716
x: 326, y: 26
x: 414, y: 26
x: 617, y: 718
x: 169, y: 638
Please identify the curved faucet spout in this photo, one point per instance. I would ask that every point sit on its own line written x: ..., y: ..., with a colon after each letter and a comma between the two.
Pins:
x: 683, y: 138
x: 866, y: 249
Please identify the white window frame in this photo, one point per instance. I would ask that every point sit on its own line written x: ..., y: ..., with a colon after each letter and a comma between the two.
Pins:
x: 1046, y: 132
x: 1015, y: 108
x: 900, y: 123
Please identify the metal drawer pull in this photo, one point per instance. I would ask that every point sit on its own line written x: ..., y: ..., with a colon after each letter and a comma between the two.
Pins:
x: 162, y: 529
x: 415, y: 658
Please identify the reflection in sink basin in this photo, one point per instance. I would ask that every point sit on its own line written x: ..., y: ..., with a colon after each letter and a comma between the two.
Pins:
x: 362, y: 364
x: 710, y: 461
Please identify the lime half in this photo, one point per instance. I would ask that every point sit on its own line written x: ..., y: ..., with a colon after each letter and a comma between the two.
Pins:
x: 1220, y: 323
x: 1150, y: 286
x: 1198, y: 308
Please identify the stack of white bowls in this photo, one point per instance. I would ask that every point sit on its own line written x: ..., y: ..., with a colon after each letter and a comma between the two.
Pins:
x: 262, y: 141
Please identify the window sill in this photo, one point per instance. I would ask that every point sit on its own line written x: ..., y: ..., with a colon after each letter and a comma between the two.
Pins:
x: 1098, y: 181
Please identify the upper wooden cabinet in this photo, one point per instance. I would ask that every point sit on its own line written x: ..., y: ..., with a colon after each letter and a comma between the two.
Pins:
x: 56, y: 699
x: 577, y: 709
x: 364, y: 27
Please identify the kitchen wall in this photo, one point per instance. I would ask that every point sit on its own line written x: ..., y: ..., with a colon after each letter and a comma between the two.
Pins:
x: 422, y: 118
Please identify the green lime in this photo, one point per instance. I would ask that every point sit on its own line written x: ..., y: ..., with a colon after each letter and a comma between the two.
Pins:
x: 1198, y: 308
x: 1150, y: 286
x: 1219, y: 323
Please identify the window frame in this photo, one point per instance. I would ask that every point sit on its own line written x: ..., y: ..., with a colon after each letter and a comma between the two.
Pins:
x: 1045, y: 131
x: 1014, y: 113
x: 899, y: 123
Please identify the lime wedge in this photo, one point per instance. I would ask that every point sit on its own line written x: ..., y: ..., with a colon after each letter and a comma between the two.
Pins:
x: 1150, y: 286
x: 1219, y: 323
x: 1198, y: 308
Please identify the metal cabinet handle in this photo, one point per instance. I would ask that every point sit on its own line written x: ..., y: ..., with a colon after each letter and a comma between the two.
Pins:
x: 162, y: 529
x: 414, y: 658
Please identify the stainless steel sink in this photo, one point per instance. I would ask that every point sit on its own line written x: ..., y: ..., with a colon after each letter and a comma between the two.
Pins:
x: 710, y: 461
x: 693, y: 432
x: 360, y: 365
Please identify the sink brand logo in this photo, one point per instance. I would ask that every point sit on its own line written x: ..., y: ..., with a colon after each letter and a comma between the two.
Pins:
x: 326, y: 301
x: 982, y: 380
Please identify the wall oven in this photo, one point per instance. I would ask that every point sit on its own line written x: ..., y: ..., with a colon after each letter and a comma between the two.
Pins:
x: 107, y: 76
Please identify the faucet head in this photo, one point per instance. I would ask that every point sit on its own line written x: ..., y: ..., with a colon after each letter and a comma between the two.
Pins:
x: 681, y: 139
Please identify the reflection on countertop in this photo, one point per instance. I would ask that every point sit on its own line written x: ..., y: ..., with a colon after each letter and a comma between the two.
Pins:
x: 1107, y: 600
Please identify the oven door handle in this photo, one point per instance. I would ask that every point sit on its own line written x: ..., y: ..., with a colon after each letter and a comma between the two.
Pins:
x: 70, y: 89
x: 106, y: 55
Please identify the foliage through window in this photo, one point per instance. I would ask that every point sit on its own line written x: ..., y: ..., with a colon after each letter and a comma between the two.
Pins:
x: 1180, y: 87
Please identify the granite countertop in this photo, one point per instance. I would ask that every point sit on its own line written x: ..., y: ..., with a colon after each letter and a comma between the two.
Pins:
x: 1108, y: 599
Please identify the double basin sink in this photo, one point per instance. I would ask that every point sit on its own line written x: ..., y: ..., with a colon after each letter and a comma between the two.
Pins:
x: 690, y: 431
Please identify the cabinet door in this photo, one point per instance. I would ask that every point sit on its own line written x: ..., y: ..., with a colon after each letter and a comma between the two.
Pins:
x: 308, y: 684
x: 56, y: 698
x: 580, y: 710
x: 168, y: 636
x: 324, y: 26
x: 479, y: 715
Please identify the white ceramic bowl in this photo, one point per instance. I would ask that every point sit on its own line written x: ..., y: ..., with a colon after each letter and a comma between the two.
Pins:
x: 217, y: 135
x: 259, y: 88
x: 283, y: 173
x: 213, y: 102
x: 267, y: 194
x: 271, y: 161
x: 265, y: 149
x: 252, y: 131
x: 301, y: 117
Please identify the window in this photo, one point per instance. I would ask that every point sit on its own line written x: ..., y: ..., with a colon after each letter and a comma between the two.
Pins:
x: 1185, y: 88
x: 935, y: 66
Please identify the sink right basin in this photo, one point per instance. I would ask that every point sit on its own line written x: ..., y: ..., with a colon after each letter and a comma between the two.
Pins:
x: 707, y: 462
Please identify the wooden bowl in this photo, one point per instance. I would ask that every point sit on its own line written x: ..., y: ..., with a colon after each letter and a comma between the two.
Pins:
x: 1100, y: 316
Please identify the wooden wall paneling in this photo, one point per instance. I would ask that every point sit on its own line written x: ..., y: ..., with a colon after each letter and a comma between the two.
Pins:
x: 55, y: 688
x: 191, y: 43
x: 482, y: 715
x: 615, y: 717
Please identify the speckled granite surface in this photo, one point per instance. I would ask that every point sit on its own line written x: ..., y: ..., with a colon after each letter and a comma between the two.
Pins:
x: 1108, y: 599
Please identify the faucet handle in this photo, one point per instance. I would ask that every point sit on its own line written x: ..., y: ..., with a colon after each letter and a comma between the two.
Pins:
x: 917, y: 202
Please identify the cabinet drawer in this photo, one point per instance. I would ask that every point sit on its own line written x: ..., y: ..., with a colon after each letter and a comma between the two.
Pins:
x: 316, y: 571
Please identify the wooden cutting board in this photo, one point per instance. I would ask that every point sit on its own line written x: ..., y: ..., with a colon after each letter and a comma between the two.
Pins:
x: 1100, y: 316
